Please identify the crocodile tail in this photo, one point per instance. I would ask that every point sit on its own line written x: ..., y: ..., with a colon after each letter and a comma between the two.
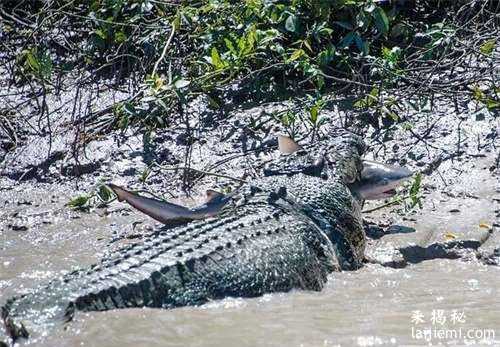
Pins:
x: 45, y: 304
x: 15, y: 330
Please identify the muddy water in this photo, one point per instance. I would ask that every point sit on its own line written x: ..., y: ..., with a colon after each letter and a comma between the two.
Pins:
x: 370, y: 307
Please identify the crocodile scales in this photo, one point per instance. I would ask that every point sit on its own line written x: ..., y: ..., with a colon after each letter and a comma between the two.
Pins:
x: 279, y: 233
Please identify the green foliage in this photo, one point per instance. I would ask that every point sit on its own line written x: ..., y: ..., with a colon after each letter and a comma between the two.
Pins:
x: 266, y: 45
x: 182, y: 50
x: 79, y: 202
x: 100, y: 196
x: 36, y: 62
x: 410, y: 196
x: 488, y: 47
x: 415, y: 196
x: 369, y: 100
x: 440, y: 39
x: 488, y: 98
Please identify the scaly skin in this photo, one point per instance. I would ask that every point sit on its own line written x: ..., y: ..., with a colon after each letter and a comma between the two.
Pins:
x: 278, y: 234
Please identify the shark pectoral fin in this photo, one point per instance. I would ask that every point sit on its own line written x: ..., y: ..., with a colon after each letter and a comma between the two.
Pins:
x: 287, y: 145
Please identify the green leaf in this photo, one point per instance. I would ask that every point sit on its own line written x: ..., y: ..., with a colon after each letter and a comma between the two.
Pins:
x: 242, y: 44
x: 477, y: 93
x: 369, y: 100
x: 326, y: 56
x: 79, y: 201
x: 291, y: 23
x: 362, y: 46
x: 320, y: 81
x: 129, y: 108
x: 144, y: 175
x: 33, y: 62
x: 124, y: 121
x: 414, y: 190
x: 288, y: 119
x: 176, y: 23
x: 313, y: 112
x: 347, y: 40
x: 492, y: 104
x: 381, y: 20
x: 120, y: 37
x: 345, y: 25
x: 488, y: 47
x: 100, y: 33
x: 105, y: 194
x: 213, y: 102
x: 230, y: 46
x: 296, y: 55
x: 251, y: 38
x: 216, y: 60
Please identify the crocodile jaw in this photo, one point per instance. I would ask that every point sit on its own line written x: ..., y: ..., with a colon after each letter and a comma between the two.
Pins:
x: 379, y: 181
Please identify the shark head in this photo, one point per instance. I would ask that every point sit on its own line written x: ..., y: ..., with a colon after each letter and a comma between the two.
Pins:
x: 379, y: 181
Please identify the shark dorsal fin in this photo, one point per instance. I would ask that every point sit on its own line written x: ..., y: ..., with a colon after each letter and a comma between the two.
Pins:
x: 287, y: 145
x: 212, y: 195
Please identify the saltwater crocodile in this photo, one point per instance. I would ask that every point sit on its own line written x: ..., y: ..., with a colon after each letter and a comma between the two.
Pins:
x: 284, y: 231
